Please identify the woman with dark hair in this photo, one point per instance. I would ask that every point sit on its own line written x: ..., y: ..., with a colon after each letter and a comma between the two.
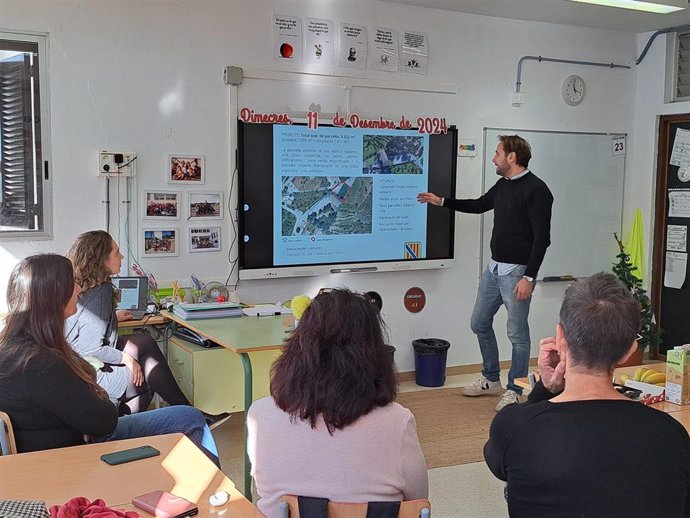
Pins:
x: 49, y: 391
x: 135, y: 367
x: 331, y: 427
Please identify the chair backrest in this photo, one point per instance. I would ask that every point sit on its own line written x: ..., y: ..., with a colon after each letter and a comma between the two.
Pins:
x: 7, y: 444
x: 408, y: 509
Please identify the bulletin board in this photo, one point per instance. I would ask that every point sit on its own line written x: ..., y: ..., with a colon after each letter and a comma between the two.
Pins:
x: 670, y: 292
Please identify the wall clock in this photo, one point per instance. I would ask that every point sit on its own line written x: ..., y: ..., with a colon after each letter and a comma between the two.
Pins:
x: 684, y: 174
x: 573, y: 90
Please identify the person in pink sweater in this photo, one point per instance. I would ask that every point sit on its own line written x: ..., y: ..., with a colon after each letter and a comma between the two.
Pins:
x: 331, y: 428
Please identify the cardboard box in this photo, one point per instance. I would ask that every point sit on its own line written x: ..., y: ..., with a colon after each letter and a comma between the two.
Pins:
x: 678, y: 375
x: 648, y: 390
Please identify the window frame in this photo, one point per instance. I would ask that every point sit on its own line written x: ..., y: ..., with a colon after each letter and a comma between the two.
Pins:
x: 44, y: 167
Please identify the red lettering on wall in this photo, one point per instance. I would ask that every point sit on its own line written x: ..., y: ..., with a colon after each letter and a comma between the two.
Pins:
x: 250, y: 116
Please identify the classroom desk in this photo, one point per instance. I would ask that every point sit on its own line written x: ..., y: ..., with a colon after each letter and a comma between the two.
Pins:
x: 657, y: 366
x: 148, y: 320
x: 241, y: 335
x: 682, y: 416
x: 56, y: 476
x: 680, y: 412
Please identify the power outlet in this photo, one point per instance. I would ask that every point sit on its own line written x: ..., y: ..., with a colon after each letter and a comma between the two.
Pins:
x: 112, y: 164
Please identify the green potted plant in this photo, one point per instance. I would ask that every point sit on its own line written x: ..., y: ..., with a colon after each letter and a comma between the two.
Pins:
x: 649, y: 333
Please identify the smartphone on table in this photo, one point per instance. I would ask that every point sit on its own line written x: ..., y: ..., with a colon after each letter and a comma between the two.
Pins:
x: 120, y: 457
x: 165, y: 505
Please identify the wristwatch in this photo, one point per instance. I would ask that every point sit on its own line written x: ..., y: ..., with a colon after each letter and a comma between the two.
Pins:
x: 529, y: 279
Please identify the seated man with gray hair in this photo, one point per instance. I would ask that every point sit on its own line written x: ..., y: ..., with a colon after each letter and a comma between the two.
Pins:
x: 578, y: 448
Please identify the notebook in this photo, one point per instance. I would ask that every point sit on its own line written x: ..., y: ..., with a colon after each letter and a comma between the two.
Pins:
x: 134, y: 294
x: 201, y: 310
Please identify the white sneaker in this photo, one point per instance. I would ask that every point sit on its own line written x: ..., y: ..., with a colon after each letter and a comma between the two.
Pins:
x: 507, y: 398
x: 483, y: 387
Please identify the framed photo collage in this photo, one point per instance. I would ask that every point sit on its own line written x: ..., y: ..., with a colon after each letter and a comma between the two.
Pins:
x: 168, y: 207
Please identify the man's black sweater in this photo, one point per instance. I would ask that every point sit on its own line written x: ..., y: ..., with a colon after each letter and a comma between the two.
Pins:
x: 522, y: 220
x: 599, y: 458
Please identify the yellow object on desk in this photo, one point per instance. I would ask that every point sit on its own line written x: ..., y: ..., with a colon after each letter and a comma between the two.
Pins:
x: 176, y: 296
x: 300, y: 303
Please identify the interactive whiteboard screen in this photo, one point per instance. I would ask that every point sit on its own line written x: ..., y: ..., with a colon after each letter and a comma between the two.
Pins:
x: 336, y: 199
x: 586, y: 180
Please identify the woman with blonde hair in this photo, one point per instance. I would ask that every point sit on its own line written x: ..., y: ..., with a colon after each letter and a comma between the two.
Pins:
x: 50, y: 392
x: 135, y: 367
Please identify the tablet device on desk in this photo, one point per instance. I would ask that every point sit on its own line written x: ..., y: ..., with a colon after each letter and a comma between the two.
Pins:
x: 134, y: 294
x: 165, y: 505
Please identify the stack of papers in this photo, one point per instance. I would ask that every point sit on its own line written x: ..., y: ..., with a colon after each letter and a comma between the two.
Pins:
x: 207, y: 310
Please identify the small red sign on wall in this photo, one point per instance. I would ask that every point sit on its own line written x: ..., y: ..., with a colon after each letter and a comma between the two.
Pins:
x: 414, y: 300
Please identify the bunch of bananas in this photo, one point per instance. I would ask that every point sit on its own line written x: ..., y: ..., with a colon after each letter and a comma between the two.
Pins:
x: 645, y: 375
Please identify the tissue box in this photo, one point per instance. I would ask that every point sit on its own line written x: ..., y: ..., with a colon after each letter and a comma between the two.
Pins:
x: 678, y: 375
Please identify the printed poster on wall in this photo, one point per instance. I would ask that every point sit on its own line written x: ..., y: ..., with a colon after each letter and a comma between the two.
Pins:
x: 676, y: 238
x: 679, y: 203
x: 318, y: 35
x: 287, y: 38
x: 680, y: 154
x: 353, y: 46
x: 384, y: 55
x: 415, y: 53
x: 676, y: 269
x: 467, y: 147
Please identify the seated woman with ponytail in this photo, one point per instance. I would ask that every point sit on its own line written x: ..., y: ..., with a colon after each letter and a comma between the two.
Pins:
x: 135, y: 368
x: 48, y: 390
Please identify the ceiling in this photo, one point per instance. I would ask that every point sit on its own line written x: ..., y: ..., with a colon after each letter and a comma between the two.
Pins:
x: 565, y: 12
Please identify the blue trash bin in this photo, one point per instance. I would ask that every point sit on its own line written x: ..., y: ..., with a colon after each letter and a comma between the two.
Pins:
x: 430, y: 361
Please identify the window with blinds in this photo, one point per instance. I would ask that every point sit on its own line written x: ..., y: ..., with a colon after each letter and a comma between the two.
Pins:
x: 22, y: 175
x: 683, y: 68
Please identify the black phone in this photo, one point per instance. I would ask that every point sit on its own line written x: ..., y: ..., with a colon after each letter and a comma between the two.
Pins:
x: 120, y: 457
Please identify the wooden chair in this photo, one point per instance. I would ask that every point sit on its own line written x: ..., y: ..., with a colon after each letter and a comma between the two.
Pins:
x: 7, y: 444
x: 289, y: 508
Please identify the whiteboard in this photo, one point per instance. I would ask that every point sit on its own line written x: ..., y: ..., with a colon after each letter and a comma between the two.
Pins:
x: 586, y: 181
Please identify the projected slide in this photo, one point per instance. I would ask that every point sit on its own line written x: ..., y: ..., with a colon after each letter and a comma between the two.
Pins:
x: 326, y: 205
x: 343, y: 194
x: 390, y: 154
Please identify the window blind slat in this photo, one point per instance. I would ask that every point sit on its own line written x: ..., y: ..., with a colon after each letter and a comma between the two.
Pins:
x: 16, y: 168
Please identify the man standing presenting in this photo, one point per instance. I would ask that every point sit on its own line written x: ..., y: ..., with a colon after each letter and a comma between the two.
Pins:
x: 522, y: 225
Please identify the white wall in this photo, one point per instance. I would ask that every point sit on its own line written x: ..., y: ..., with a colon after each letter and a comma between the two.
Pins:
x: 649, y: 105
x: 125, y: 73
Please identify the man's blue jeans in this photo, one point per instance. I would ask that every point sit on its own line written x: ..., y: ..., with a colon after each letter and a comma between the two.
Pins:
x: 494, y: 291
x: 173, y: 419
